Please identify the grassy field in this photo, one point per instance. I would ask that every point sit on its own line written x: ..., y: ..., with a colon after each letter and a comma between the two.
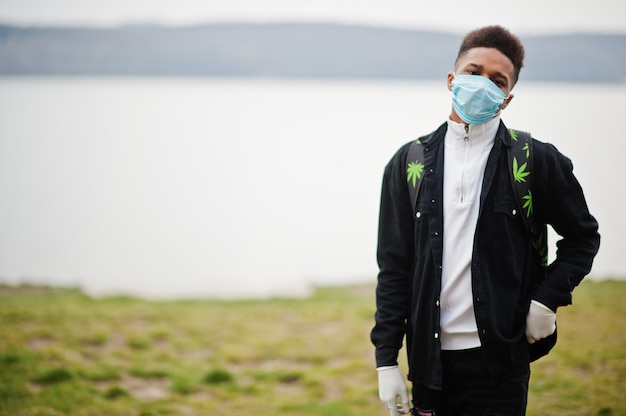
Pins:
x: 65, y: 353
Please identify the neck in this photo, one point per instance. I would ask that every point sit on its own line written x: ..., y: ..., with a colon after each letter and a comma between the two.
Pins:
x: 455, y: 117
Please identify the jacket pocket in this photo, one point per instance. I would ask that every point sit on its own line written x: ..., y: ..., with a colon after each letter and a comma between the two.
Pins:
x: 507, y: 232
x: 507, y: 207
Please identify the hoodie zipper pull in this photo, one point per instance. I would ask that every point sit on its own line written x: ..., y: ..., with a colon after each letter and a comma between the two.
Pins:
x: 466, y: 138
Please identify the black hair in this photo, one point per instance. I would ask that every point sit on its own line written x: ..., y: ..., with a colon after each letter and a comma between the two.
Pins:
x: 498, y: 38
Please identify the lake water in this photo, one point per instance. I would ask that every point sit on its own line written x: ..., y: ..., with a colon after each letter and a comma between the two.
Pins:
x: 194, y: 187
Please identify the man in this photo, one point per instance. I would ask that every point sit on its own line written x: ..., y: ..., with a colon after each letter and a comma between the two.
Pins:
x: 460, y: 276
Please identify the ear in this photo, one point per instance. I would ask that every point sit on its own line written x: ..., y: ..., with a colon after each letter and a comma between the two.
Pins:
x: 506, y: 102
x: 450, y: 79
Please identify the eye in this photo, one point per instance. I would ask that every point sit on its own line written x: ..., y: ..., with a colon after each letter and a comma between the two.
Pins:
x: 472, y: 72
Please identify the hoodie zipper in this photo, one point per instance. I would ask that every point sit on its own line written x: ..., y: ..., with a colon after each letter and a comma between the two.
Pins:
x: 465, y: 150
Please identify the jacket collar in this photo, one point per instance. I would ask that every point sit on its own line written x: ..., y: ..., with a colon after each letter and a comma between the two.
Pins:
x: 502, y: 134
x: 435, y: 136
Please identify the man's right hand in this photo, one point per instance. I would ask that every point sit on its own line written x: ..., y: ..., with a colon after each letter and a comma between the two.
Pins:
x: 391, y: 385
x: 540, y: 322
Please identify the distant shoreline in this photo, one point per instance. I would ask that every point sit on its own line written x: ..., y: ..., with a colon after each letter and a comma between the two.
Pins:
x: 6, y: 289
x: 288, y: 50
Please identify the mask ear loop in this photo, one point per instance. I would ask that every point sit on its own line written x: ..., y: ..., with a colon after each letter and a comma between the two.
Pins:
x: 504, y: 103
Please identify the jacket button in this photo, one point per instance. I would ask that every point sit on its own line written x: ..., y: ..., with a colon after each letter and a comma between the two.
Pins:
x: 436, y: 233
x: 514, y: 212
x: 418, y: 214
x: 436, y: 335
x: 437, y: 302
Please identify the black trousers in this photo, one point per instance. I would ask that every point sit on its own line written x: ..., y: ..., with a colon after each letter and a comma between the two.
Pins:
x: 468, y: 389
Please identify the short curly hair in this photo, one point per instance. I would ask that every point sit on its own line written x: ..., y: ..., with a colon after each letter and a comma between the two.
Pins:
x: 495, y: 37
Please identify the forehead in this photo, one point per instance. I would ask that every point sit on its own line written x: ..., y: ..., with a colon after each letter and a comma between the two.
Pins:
x: 489, y: 59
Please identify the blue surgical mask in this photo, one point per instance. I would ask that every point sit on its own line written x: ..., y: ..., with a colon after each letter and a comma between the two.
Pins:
x: 476, y: 99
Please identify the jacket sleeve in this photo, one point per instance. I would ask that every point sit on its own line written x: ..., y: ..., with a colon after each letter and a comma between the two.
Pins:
x: 566, y: 211
x: 395, y: 258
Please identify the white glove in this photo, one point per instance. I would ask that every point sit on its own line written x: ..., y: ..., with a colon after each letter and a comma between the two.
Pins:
x: 540, y: 322
x: 391, y: 384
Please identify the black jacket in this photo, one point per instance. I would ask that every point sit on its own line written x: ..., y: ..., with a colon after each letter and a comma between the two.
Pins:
x: 506, y: 269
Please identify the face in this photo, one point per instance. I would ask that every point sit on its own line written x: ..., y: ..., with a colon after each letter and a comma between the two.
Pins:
x: 486, y: 62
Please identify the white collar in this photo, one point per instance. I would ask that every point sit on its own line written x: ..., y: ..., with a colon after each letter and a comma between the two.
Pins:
x: 480, y: 133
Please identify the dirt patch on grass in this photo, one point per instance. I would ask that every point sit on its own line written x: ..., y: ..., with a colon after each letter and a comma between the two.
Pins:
x: 40, y: 343
x: 139, y: 388
x: 147, y: 389
x: 197, y: 354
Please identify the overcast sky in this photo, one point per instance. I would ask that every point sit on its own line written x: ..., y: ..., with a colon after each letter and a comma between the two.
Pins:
x: 521, y: 16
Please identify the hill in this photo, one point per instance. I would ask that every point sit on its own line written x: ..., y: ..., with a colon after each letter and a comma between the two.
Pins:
x: 288, y: 50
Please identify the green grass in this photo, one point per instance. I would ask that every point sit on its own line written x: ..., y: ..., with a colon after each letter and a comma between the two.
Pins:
x: 65, y: 353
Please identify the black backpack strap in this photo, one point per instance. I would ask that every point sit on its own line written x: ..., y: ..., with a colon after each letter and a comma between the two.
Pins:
x: 521, y: 163
x: 414, y: 171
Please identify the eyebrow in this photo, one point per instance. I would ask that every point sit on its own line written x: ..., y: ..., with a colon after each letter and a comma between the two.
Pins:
x: 497, y: 73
